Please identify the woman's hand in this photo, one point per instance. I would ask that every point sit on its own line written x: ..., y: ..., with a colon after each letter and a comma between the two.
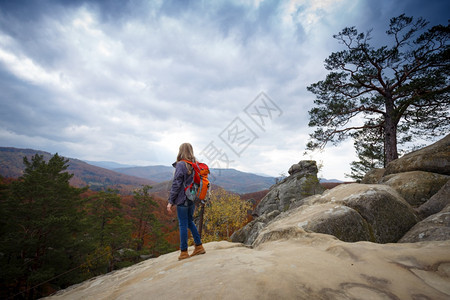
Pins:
x: 169, y: 208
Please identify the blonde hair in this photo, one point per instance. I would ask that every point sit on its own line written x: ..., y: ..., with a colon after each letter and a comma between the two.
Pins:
x: 186, y: 152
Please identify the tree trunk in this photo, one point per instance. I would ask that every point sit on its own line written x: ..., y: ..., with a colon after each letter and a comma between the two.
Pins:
x: 390, y: 132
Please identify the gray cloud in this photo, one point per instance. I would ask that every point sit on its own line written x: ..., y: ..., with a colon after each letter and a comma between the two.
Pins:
x: 129, y: 81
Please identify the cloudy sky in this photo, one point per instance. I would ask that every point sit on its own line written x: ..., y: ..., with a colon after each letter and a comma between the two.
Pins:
x: 129, y: 81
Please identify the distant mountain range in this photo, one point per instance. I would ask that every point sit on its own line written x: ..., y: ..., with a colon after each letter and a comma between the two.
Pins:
x: 11, y: 165
x: 108, y: 164
x: 99, y: 175
x: 102, y: 174
x: 156, y: 173
x: 229, y: 179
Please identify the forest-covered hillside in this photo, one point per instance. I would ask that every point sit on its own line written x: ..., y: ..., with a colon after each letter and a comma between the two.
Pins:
x: 128, y: 179
x: 11, y: 166
x: 54, y: 234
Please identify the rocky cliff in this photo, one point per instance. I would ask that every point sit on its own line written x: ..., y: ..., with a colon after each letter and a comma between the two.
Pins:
x: 382, y: 209
x: 388, y: 238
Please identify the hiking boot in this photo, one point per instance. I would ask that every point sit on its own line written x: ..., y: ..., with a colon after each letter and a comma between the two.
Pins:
x: 198, y: 250
x: 183, y: 255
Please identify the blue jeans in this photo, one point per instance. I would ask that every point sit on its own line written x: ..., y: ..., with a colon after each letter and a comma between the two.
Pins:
x: 185, y: 221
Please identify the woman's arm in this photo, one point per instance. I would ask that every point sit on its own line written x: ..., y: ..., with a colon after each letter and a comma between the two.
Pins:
x: 177, y: 183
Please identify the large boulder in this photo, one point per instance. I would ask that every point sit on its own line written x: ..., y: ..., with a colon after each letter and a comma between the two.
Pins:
x: 434, y: 228
x: 304, y: 167
x: 388, y: 215
x: 301, y: 183
x: 283, y: 196
x: 373, y: 176
x: 248, y: 234
x: 353, y: 212
x: 436, y: 203
x: 434, y: 158
x: 340, y: 221
x: 416, y: 187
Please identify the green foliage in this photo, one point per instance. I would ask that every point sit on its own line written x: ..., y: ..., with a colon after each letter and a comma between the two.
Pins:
x: 53, y: 234
x: 41, y: 224
x: 369, y: 146
x: 105, y: 215
x: 108, y: 230
x: 310, y: 186
x: 147, y: 228
x: 404, y: 85
x: 370, y: 151
x: 142, y: 213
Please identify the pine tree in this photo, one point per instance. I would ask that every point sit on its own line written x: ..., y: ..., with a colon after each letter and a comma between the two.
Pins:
x: 108, y: 231
x: 149, y: 237
x: 41, y: 212
x: 142, y: 212
x: 402, y: 85
x: 370, y: 152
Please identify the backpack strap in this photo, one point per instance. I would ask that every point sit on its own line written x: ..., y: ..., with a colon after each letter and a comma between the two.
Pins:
x: 196, y: 170
x: 194, y: 165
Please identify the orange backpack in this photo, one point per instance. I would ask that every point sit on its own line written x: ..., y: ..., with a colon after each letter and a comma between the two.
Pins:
x: 198, y: 190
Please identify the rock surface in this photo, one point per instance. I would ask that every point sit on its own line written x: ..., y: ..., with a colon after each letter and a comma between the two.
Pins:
x: 352, y: 212
x: 302, y: 182
x: 436, y: 203
x: 434, y: 228
x: 381, y: 212
x: 249, y: 232
x: 340, y: 221
x: 434, y: 158
x: 304, y: 167
x: 373, y: 176
x: 283, y: 196
x: 313, y: 266
x: 416, y: 187
x: 388, y: 215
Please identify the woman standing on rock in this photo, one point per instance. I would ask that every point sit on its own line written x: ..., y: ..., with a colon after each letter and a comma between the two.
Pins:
x: 185, y: 208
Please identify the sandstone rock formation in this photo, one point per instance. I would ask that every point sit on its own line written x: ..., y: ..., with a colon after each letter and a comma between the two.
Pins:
x: 436, y: 203
x: 286, y: 194
x: 340, y: 221
x: 381, y: 212
x: 354, y: 212
x: 422, y: 178
x: 248, y: 234
x: 373, y: 176
x: 301, y: 183
x: 434, y: 158
x: 434, y: 228
x: 416, y: 187
x: 312, y: 266
x: 388, y: 215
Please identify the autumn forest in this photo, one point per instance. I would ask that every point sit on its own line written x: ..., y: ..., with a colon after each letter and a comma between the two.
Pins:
x: 53, y: 234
